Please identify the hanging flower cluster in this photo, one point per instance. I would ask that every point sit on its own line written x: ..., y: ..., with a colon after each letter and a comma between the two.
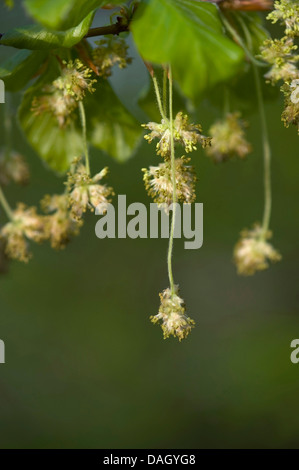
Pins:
x: 63, y: 213
x: 61, y: 97
x: 158, y: 181
x: 110, y: 52
x: 287, y: 13
x: 172, y: 181
x: 86, y: 192
x: 13, y: 168
x: 24, y: 225
x: 172, y: 316
x: 188, y: 135
x: 61, y: 226
x: 253, y: 252
x: 282, y: 55
x: 228, y: 139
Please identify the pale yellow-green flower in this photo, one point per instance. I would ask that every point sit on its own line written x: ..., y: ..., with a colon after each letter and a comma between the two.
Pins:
x: 287, y: 13
x: 290, y: 114
x: 188, y: 135
x: 61, y: 227
x: 60, y: 98
x: 158, y: 181
x: 172, y: 315
x: 110, y: 52
x: 75, y: 80
x: 228, y: 139
x: 253, y: 252
x: 26, y: 225
x: 13, y: 168
x: 280, y: 54
x: 86, y: 192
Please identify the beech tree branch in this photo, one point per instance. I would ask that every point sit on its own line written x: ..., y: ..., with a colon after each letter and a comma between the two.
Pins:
x: 115, y: 28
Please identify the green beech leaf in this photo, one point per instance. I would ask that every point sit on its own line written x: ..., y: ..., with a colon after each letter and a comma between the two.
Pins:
x: 35, y: 37
x: 241, y: 88
x: 189, y: 35
x: 111, y: 127
x: 58, y: 147
x: 250, y: 28
x: 62, y: 14
x: 19, y: 69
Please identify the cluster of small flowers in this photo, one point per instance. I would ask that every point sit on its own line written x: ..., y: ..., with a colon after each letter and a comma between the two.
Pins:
x: 86, y: 192
x: 281, y: 55
x: 253, y: 252
x: 13, y: 168
x: 188, y: 135
x: 228, y: 139
x: 25, y: 225
x: 287, y: 13
x: 61, y: 97
x: 66, y: 210
x: 110, y: 52
x: 159, y: 185
x: 60, y: 226
x: 172, y: 315
x: 158, y: 179
x: 63, y: 218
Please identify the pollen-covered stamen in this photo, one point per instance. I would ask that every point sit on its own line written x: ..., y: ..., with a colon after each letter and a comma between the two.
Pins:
x: 172, y: 315
x: 280, y: 54
x: 290, y: 114
x: 287, y: 13
x: 158, y: 182
x: 188, y: 135
x: 53, y: 102
x: 75, y: 80
x: 253, y: 252
x: 86, y: 192
x: 159, y: 131
x: 61, y: 97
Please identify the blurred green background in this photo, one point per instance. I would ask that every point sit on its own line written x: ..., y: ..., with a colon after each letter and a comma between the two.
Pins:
x: 85, y: 367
